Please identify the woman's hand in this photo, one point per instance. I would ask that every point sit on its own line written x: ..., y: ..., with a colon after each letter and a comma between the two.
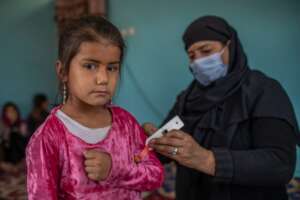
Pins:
x: 149, y: 128
x: 97, y: 164
x: 181, y: 147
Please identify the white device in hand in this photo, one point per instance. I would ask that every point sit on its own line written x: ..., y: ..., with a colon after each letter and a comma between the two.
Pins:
x: 174, y: 124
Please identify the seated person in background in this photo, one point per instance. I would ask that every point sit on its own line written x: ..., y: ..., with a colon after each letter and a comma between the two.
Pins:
x: 39, y: 112
x: 12, y: 138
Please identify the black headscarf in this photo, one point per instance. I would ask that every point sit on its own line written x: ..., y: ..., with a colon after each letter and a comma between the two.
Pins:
x: 242, y: 94
x: 215, y: 28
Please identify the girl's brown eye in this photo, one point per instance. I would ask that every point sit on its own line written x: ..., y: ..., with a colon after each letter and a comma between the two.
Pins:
x: 113, y: 67
x: 90, y: 66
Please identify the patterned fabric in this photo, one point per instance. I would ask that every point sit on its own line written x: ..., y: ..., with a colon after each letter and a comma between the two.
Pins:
x: 12, y: 187
x: 294, y: 189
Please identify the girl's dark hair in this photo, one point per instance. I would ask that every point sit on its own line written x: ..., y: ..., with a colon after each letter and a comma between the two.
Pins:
x: 86, y: 29
x: 5, y: 120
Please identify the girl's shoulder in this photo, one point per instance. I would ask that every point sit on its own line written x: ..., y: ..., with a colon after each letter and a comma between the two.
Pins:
x: 120, y: 114
x: 123, y: 117
x: 50, y: 130
x: 126, y: 123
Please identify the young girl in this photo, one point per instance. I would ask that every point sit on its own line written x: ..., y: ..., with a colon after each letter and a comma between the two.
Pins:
x: 86, y: 147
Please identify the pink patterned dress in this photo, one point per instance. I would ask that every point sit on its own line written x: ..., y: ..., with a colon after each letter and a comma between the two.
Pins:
x: 55, y: 162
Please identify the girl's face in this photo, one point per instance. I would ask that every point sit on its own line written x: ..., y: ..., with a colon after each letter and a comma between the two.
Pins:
x: 94, y: 73
x: 11, y: 114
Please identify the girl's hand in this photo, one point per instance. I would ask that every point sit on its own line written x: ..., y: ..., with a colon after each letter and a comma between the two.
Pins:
x: 97, y: 164
x: 149, y: 128
x: 181, y: 147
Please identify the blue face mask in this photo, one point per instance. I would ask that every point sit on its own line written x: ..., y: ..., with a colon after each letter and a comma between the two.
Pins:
x: 208, y: 69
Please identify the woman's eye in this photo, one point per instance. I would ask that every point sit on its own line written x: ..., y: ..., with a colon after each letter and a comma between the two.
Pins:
x: 113, y: 67
x: 90, y: 66
x: 206, y: 51
x: 191, y: 56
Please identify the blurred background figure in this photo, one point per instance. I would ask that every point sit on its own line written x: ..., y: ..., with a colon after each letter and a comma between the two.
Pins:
x: 13, y: 134
x: 39, y: 112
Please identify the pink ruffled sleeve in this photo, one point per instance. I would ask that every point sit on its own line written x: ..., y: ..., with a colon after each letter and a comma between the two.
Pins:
x: 42, y: 166
x: 143, y: 176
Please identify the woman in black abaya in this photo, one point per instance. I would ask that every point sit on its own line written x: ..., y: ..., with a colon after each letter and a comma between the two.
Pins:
x: 239, y: 138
